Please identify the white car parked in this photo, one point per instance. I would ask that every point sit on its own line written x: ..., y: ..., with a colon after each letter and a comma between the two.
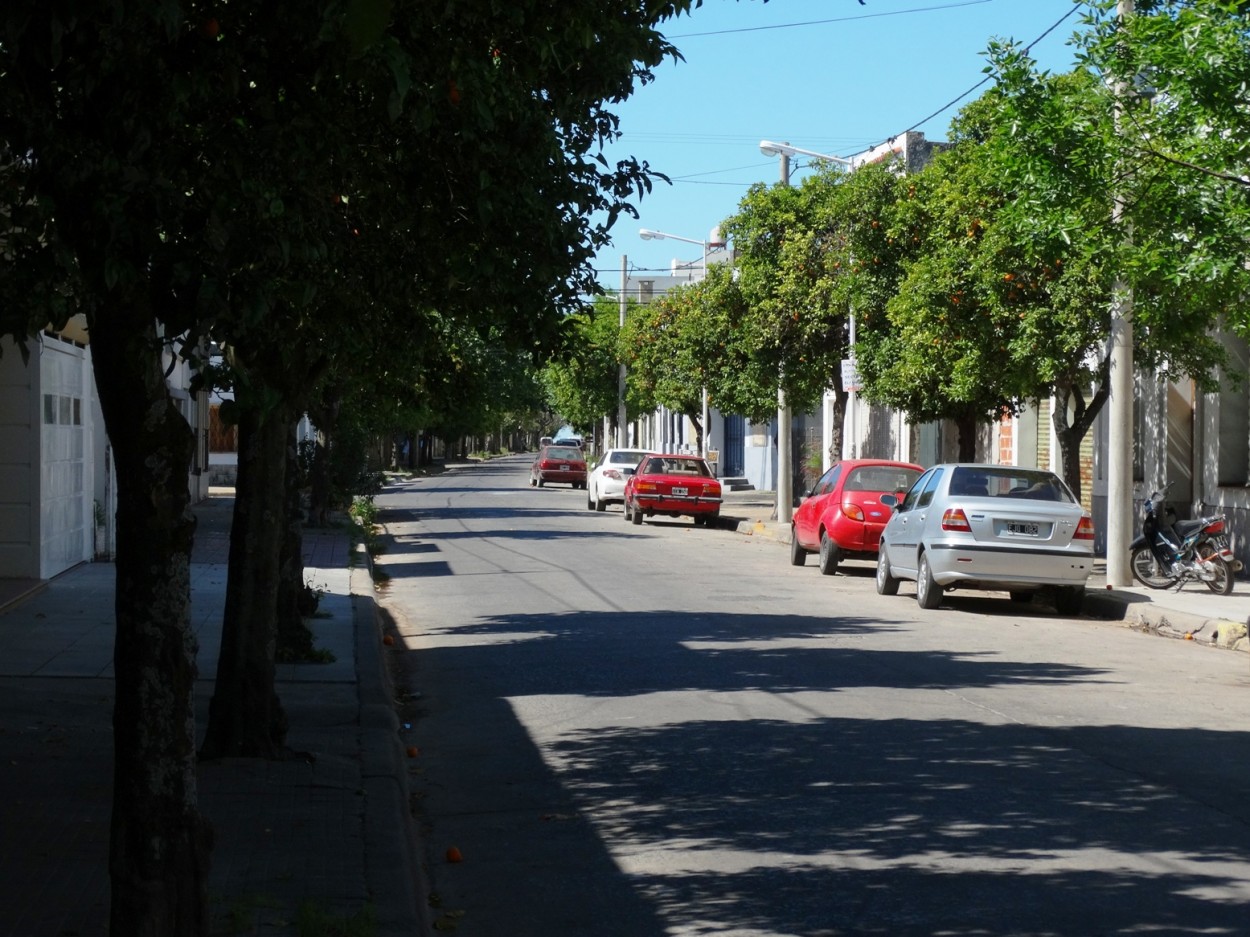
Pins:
x: 606, y: 483
x: 970, y: 526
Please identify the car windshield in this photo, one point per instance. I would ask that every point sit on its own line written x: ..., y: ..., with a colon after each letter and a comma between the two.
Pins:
x: 626, y: 458
x: 1008, y: 482
x: 881, y: 478
x: 564, y: 454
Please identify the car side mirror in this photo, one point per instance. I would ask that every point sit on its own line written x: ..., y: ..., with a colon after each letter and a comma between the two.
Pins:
x: 890, y: 501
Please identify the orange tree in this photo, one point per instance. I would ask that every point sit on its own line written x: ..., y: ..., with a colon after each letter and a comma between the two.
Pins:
x: 177, y: 172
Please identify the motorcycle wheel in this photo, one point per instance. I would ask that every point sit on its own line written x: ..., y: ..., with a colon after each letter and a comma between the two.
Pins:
x: 1222, y: 584
x: 1146, y: 569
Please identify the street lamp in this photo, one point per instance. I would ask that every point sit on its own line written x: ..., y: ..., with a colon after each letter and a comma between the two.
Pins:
x: 785, y: 481
x: 714, y: 240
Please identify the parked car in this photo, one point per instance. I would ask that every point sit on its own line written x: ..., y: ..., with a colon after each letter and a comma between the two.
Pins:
x: 560, y: 465
x: 545, y: 441
x: 672, y: 486
x: 967, y: 526
x: 606, y: 482
x: 842, y: 516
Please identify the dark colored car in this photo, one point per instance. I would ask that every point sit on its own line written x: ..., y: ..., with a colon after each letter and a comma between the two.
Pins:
x: 564, y: 465
x: 672, y: 486
x: 842, y: 516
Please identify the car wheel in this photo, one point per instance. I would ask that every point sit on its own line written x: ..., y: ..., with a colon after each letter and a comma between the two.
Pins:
x: 637, y: 516
x: 798, y: 556
x: 887, y: 584
x: 533, y: 481
x: 600, y: 504
x: 625, y: 509
x: 590, y: 502
x: 540, y: 481
x: 829, y: 555
x: 928, y: 592
x: 1069, y: 600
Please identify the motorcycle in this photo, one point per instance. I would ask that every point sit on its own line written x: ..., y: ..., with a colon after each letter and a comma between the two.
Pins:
x: 1169, y: 552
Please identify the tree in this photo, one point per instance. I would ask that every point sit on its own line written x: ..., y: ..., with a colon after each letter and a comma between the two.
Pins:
x: 127, y: 201
x: 581, y: 380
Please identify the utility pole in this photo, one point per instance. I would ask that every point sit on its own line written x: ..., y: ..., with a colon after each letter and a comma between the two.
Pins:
x: 1120, y: 402
x: 622, y: 432
x: 785, y: 493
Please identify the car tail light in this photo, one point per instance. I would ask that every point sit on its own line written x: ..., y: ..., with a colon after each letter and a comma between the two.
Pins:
x: 1215, y: 527
x: 711, y: 490
x: 1085, y: 529
x: 852, y: 510
x: 612, y: 473
x: 645, y: 486
x: 956, y: 519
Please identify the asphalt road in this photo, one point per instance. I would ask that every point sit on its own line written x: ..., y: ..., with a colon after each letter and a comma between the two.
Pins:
x: 666, y: 730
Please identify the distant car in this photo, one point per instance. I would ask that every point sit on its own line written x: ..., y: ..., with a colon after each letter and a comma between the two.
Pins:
x: 545, y: 441
x: 842, y: 516
x: 606, y: 482
x: 559, y: 465
x: 568, y: 441
x: 968, y: 526
x: 673, y: 486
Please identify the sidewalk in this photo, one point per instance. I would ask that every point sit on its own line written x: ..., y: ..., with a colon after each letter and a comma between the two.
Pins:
x: 330, y: 838
x: 1194, y: 613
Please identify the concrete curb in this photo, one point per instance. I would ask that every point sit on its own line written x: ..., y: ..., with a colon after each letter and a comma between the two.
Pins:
x: 1166, y: 622
x: 393, y: 874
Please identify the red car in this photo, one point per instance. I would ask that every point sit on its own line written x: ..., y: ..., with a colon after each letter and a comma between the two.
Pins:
x: 563, y: 464
x: 672, y: 486
x: 842, y: 516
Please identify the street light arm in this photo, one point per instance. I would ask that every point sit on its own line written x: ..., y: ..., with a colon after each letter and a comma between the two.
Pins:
x: 769, y: 148
x: 648, y: 235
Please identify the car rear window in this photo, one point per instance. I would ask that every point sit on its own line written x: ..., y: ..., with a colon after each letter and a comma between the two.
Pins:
x: 881, y: 478
x: 570, y: 455
x: 1009, y: 482
x: 673, y: 466
x: 626, y: 458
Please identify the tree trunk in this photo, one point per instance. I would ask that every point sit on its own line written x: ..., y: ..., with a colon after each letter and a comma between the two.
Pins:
x: 837, y: 429
x: 1072, y: 418
x: 245, y: 717
x: 295, y: 640
x: 159, y: 844
x: 967, y: 426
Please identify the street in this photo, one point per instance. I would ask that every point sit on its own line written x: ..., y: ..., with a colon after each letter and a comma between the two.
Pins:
x: 667, y: 730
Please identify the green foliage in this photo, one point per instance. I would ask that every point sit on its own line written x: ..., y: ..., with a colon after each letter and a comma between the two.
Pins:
x: 582, y: 382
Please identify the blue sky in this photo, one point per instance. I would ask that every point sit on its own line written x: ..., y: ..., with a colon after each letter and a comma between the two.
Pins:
x: 832, y: 76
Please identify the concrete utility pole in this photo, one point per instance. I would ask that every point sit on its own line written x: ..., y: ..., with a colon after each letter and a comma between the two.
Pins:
x: 622, y: 431
x: 1120, y: 403
x: 785, y: 484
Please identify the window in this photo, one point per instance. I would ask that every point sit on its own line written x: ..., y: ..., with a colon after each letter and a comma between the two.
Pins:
x: 926, y: 496
x: 62, y: 410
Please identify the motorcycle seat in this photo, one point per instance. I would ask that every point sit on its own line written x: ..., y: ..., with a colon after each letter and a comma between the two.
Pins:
x: 1185, y: 528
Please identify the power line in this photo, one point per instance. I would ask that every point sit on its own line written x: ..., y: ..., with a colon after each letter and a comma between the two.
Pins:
x: 839, y: 19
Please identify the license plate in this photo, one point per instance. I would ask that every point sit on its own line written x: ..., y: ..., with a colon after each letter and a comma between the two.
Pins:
x: 1220, y: 542
x: 681, y: 491
x: 564, y: 468
x: 1022, y: 530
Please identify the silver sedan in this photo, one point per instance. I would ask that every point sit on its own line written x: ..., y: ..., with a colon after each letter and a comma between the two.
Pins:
x: 1001, y: 527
